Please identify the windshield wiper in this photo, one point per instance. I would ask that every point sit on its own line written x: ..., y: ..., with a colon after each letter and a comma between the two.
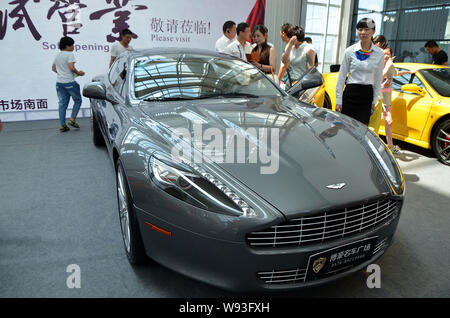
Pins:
x: 168, y: 99
x: 223, y: 95
x: 218, y: 95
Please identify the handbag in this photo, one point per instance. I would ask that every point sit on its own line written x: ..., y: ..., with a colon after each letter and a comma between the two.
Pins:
x: 375, y: 118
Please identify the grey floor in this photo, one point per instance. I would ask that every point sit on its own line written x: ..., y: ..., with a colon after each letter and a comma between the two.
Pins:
x: 58, y: 207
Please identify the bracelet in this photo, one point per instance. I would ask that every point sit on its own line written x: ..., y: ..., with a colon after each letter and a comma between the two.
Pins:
x: 261, y: 66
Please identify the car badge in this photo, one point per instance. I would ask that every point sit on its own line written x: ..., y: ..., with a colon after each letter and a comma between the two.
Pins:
x: 336, y: 186
x: 319, y: 264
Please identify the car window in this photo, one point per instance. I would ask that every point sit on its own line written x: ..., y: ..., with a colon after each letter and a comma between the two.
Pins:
x: 193, y: 76
x: 416, y: 80
x: 439, y: 79
x: 118, y: 74
x: 398, y: 81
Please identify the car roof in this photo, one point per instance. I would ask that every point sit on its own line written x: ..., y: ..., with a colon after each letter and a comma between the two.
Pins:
x: 173, y: 50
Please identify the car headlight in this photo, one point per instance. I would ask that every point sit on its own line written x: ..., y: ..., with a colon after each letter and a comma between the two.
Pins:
x: 387, y: 162
x: 194, y: 185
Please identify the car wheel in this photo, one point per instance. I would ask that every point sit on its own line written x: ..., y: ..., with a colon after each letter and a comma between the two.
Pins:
x: 97, y: 137
x: 131, y: 235
x: 327, y: 102
x: 441, y: 142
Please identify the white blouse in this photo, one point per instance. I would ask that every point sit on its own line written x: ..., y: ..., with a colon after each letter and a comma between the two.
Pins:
x: 367, y: 72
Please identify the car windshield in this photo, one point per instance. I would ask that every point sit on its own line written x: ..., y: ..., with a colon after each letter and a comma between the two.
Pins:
x: 194, y: 76
x: 439, y: 79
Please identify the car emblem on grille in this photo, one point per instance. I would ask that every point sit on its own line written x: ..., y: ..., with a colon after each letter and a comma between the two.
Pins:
x: 319, y: 264
x: 336, y: 186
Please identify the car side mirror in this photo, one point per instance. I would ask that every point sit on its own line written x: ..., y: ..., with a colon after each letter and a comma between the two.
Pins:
x: 415, y: 89
x: 313, y: 78
x: 95, y: 90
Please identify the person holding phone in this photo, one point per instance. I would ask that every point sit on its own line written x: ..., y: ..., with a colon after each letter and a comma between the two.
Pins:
x: 229, y: 32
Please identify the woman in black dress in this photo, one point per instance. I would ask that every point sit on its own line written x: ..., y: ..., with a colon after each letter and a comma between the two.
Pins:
x: 363, y: 62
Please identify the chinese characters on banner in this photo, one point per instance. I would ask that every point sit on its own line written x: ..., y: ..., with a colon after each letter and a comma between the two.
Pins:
x: 69, y: 12
x: 30, y: 31
x: 121, y: 17
x: 159, y: 25
x: 18, y: 14
x: 24, y: 104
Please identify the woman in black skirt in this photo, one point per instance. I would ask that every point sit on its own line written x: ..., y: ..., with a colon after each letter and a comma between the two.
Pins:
x: 364, y: 64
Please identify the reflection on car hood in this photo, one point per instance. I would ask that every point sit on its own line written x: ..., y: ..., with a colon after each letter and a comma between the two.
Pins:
x: 315, y: 148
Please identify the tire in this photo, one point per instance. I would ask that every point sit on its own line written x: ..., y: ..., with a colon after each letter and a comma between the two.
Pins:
x: 131, y: 235
x: 327, y: 102
x: 97, y: 137
x: 440, y: 142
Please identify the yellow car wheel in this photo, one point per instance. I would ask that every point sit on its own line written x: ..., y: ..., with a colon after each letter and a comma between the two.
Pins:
x: 441, y: 142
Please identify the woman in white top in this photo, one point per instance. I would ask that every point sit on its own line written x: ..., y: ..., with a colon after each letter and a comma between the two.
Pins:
x: 66, y: 86
x: 299, y: 55
x: 364, y: 63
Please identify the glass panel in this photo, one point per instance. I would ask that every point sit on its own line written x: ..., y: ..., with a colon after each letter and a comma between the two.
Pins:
x: 333, y: 20
x: 410, y: 52
x: 326, y: 67
x: 317, y: 1
x: 315, y: 15
x: 118, y: 73
x: 193, y: 76
x: 377, y: 5
x: 389, y: 25
x: 407, y: 24
x: 392, y: 4
x: 423, y: 24
x: 398, y: 81
x: 336, y: 2
x: 317, y: 43
x: 330, y: 49
x: 416, y: 80
x: 439, y: 79
x: 365, y: 6
x: 421, y: 3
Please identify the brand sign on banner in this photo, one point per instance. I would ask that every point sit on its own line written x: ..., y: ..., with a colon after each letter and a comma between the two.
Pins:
x: 30, y: 31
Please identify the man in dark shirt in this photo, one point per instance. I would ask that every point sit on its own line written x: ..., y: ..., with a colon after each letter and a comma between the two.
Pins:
x: 439, y: 56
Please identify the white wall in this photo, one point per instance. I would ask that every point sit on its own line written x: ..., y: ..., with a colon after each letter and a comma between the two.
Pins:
x: 277, y: 13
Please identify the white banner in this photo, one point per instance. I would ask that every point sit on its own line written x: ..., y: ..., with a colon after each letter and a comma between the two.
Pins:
x: 30, y: 31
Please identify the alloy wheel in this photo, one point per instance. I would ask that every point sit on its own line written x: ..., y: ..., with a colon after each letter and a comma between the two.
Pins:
x: 123, y: 210
x: 442, y: 142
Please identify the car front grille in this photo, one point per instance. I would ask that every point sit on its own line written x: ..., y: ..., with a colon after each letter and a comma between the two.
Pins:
x: 298, y: 275
x: 283, y: 277
x: 326, y: 226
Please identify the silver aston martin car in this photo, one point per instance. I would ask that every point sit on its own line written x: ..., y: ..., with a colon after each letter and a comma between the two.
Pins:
x: 224, y: 177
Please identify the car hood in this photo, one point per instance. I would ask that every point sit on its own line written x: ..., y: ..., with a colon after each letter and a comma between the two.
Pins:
x: 308, y: 149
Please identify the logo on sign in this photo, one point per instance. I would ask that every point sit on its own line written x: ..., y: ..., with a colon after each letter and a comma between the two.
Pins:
x: 319, y: 264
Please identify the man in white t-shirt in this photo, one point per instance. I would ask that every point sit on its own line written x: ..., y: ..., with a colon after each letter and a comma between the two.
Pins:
x: 229, y: 32
x: 240, y: 47
x: 120, y: 47
x: 66, y: 86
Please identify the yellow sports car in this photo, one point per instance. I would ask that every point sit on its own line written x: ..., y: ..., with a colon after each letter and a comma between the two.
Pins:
x: 420, y: 106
